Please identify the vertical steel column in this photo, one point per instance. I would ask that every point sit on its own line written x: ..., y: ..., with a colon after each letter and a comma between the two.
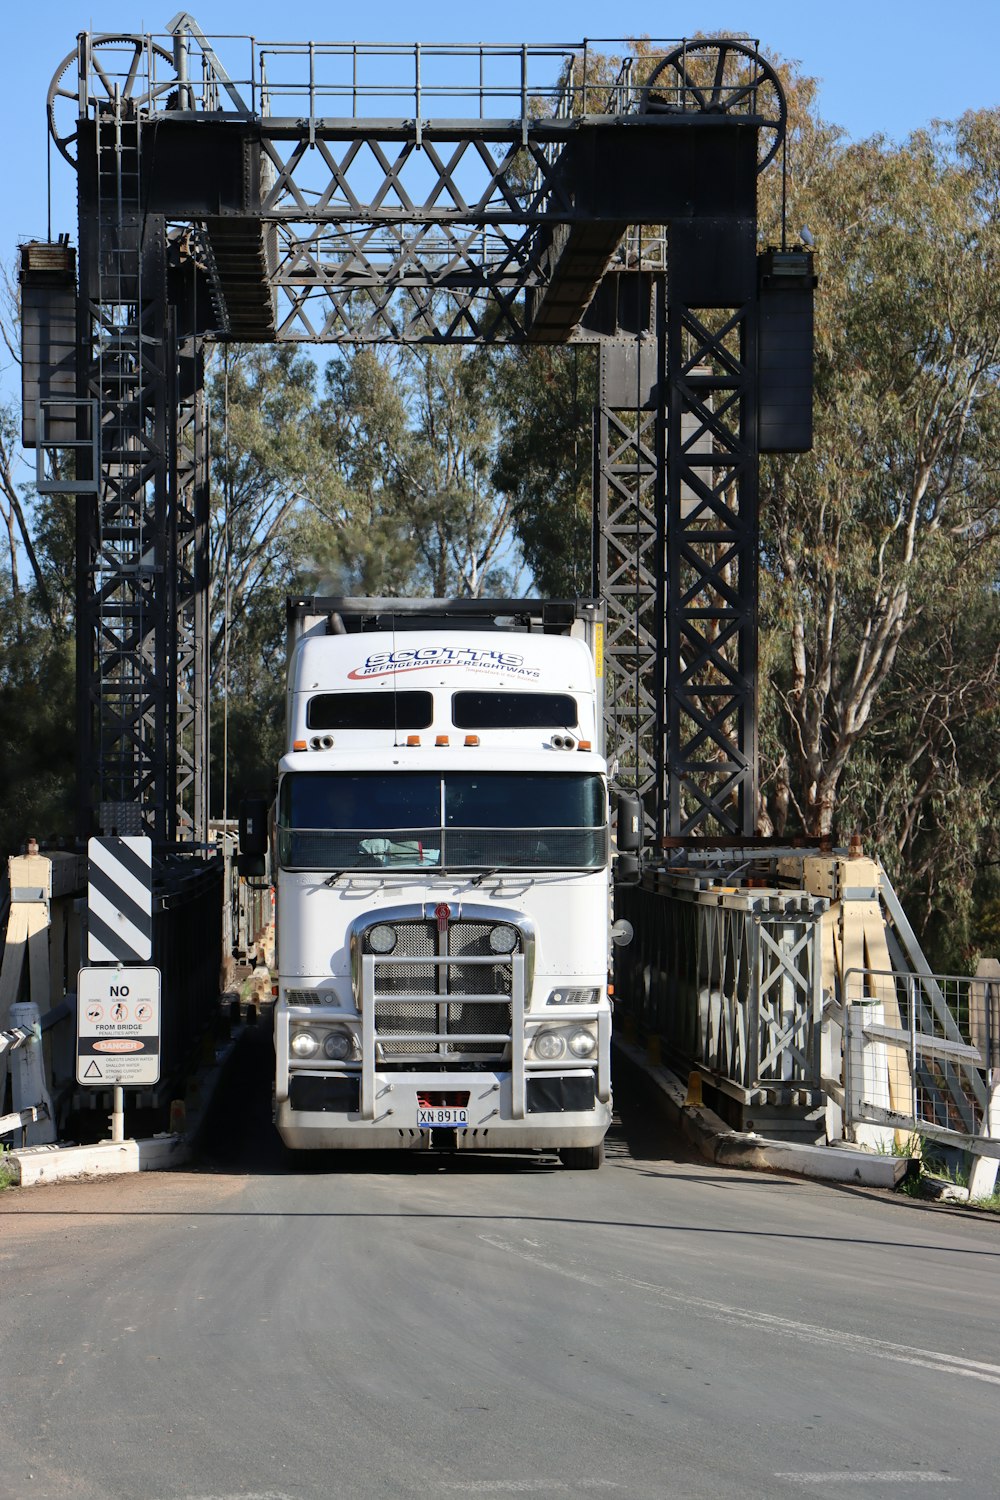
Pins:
x: 710, y: 670
x: 189, y: 471
x: 124, y: 558
x: 629, y: 464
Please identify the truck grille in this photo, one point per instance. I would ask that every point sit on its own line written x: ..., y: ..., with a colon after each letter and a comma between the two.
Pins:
x: 464, y: 939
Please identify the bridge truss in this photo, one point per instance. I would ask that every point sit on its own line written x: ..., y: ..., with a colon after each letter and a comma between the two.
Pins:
x: 340, y: 194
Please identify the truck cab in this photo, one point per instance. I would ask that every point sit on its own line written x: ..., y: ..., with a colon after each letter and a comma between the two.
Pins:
x: 441, y: 842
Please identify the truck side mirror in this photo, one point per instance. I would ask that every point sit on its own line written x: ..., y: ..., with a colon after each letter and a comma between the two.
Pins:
x: 252, y: 858
x: 629, y: 823
x: 626, y: 870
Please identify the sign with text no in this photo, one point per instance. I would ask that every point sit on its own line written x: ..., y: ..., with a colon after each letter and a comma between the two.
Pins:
x: 118, y: 1027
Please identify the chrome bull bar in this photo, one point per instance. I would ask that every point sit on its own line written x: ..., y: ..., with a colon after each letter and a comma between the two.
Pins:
x: 518, y: 1066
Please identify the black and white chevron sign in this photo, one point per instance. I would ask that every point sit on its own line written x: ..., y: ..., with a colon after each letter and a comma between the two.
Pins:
x: 120, y: 900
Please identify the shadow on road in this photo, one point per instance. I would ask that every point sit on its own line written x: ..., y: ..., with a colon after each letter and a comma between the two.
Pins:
x: 238, y: 1136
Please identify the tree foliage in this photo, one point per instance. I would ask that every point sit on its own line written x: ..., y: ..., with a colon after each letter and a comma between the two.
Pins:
x: 883, y: 544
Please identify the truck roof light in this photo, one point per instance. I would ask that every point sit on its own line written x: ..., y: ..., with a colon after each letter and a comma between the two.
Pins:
x: 442, y: 739
x: 413, y: 739
x: 298, y: 744
x: 583, y: 745
x: 472, y: 739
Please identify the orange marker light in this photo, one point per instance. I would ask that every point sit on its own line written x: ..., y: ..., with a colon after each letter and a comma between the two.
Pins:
x: 442, y: 739
x: 413, y: 739
x: 298, y: 744
x: 583, y: 745
x: 472, y: 739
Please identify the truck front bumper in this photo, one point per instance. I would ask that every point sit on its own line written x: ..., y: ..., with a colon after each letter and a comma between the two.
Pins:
x: 562, y: 1109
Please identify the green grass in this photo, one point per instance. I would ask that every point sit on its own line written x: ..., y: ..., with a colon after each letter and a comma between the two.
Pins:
x: 6, y: 1173
x: 931, y: 1163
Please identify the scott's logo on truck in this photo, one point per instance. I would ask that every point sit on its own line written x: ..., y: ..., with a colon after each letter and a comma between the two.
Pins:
x: 426, y: 658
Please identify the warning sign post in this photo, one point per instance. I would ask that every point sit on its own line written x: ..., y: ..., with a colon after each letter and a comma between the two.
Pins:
x: 118, y: 1027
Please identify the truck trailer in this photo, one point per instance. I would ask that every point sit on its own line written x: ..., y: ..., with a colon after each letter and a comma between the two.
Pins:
x: 442, y: 851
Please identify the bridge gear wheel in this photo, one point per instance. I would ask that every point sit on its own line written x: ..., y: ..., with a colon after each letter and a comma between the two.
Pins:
x: 127, y: 75
x: 721, y: 78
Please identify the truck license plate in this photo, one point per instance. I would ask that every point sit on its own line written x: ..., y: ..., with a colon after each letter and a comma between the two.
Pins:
x: 442, y: 1117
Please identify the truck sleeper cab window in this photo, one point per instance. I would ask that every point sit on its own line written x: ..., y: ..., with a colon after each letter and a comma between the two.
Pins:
x: 341, y: 820
x: 502, y: 710
x: 374, y: 710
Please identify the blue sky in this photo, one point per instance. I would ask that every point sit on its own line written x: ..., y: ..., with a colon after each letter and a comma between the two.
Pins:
x: 885, y: 65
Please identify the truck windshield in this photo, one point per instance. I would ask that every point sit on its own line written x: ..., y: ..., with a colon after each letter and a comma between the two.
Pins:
x: 333, y: 820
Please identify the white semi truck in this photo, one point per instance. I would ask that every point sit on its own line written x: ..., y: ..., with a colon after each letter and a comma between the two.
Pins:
x: 442, y: 847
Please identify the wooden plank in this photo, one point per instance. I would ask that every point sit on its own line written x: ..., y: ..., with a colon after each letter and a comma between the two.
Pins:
x: 13, y: 960
x: 877, y: 954
x: 29, y: 872
x: 38, y: 955
x: 11, y: 973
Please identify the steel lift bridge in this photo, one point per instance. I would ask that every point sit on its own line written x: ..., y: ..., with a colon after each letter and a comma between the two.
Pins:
x: 341, y: 193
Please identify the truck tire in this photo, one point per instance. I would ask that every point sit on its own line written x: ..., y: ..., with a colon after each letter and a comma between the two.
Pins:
x: 582, y: 1158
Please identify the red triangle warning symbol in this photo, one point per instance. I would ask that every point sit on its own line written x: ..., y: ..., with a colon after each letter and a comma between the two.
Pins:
x: 92, y: 1070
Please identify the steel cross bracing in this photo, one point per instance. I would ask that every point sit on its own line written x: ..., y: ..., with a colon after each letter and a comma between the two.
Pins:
x: 732, y: 981
x: 346, y: 194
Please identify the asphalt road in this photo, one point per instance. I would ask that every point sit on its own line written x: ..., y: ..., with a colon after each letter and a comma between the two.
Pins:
x: 269, y: 1327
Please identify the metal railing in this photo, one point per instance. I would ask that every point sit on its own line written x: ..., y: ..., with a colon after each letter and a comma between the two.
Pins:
x: 183, y: 70
x: 919, y: 1053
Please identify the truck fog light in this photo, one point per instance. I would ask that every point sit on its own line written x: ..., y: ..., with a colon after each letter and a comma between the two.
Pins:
x: 503, y: 939
x: 382, y: 939
x: 337, y: 1046
x: 582, y: 1043
x: 304, y: 1044
x: 549, y: 1045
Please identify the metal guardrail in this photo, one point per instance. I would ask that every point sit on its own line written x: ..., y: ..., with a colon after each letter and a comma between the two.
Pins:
x: 921, y: 1051
x: 308, y: 81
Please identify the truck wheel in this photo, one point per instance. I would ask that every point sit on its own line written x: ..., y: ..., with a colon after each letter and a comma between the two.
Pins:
x: 582, y: 1158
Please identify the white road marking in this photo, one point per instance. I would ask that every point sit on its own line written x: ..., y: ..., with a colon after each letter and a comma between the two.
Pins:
x: 904, y: 1354
x: 526, y: 1486
x: 877, y: 1476
x: 244, y: 1495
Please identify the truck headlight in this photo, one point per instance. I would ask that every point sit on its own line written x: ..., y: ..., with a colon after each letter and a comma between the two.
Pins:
x: 582, y: 1043
x: 549, y: 1045
x: 303, y: 1044
x: 382, y: 939
x: 338, y: 1046
x: 503, y: 939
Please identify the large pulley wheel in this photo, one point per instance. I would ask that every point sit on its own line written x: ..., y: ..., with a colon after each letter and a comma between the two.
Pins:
x: 125, y: 68
x: 721, y: 78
